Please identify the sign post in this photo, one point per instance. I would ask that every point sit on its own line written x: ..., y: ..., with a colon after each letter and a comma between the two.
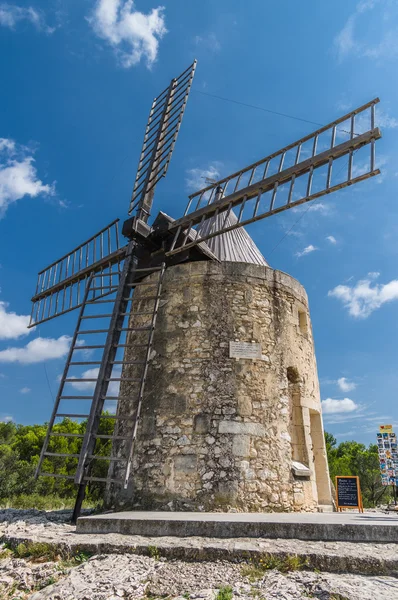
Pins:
x: 348, y: 492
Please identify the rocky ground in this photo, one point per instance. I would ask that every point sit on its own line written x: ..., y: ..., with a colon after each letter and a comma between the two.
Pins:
x: 46, y: 562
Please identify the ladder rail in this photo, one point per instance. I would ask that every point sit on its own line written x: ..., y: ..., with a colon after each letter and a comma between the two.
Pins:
x: 62, y: 384
x: 104, y: 374
x: 143, y: 378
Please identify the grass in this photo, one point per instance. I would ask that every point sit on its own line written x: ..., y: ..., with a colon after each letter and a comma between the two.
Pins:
x: 153, y: 552
x: 224, y: 593
x: 26, y: 501
x: 256, y: 570
x: 43, y: 552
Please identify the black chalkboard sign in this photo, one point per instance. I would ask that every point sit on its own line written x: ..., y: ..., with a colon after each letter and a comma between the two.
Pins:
x: 348, y: 493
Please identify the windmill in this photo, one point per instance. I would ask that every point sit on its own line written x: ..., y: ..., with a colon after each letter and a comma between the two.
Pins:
x: 100, y: 275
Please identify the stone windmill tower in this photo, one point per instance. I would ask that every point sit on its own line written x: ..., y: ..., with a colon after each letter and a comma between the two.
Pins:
x: 232, y: 413
x: 198, y: 352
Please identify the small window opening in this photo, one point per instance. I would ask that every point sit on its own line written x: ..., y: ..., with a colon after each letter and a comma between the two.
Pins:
x: 303, y: 322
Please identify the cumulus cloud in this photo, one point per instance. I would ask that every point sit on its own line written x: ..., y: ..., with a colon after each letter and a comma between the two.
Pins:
x: 307, y: 250
x: 331, y: 406
x: 113, y: 389
x: 25, y: 390
x: 11, y: 15
x: 346, y: 42
x: 18, y: 175
x: 331, y: 239
x: 12, y: 326
x: 365, y: 296
x: 133, y: 34
x: 36, y: 351
x: 196, y: 178
x: 345, y: 385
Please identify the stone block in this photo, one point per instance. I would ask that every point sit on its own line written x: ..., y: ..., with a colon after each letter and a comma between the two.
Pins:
x: 242, y: 428
x: 245, y: 407
x: 201, y: 423
x: 185, y: 463
x: 241, y: 446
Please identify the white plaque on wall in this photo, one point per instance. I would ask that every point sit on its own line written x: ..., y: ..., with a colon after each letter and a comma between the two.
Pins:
x: 244, y: 350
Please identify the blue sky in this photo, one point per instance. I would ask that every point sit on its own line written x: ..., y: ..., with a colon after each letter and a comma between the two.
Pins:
x: 78, y: 78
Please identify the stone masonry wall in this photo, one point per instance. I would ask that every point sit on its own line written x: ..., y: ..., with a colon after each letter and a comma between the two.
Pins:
x: 218, y: 433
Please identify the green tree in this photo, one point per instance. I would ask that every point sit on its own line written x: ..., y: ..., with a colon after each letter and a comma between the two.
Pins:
x: 353, y: 458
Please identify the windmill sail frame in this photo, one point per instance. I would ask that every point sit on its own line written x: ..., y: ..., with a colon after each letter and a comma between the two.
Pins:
x: 216, y: 202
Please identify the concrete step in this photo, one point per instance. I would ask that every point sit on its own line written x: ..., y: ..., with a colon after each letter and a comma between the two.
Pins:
x: 325, y: 508
x: 352, y: 526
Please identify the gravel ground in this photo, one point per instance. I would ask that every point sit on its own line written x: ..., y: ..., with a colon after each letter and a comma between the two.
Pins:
x: 118, y: 572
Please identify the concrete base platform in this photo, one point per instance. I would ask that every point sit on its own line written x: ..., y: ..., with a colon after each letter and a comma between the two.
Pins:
x: 352, y: 527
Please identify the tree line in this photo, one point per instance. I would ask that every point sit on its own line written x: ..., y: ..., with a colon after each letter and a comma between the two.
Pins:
x: 20, y: 447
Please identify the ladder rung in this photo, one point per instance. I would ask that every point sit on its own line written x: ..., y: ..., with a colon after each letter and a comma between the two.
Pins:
x: 126, y: 417
x: 118, y: 379
x: 127, y: 362
x: 43, y: 474
x: 132, y: 345
x: 117, y: 417
x: 76, y: 435
x: 104, y: 479
x: 146, y: 328
x: 144, y: 312
x: 61, y: 455
x: 75, y: 397
x: 110, y: 458
x: 96, y: 316
x: 77, y: 380
x: 102, y: 436
x: 88, y: 347
x: 145, y: 298
x: 72, y: 415
x: 90, y: 331
x: 88, y: 362
x: 100, y: 301
x: 104, y: 287
x: 110, y: 274
x: 142, y: 283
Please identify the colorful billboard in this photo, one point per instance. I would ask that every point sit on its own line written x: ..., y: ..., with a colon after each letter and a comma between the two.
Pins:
x: 388, y: 455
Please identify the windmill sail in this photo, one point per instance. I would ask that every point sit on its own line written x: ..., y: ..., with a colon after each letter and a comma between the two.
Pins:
x: 60, y: 286
x: 303, y: 171
x: 160, y: 137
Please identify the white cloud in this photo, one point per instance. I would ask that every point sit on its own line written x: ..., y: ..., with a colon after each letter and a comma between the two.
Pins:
x: 196, y: 178
x: 25, y: 390
x: 113, y: 389
x: 12, y: 326
x: 365, y: 297
x: 320, y: 207
x: 331, y: 239
x: 346, y: 42
x: 11, y: 15
x: 345, y: 385
x: 307, y: 250
x: 38, y: 350
x: 373, y: 275
x: 18, y: 175
x: 208, y: 41
x: 133, y: 34
x: 331, y: 406
x: 6, y: 419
